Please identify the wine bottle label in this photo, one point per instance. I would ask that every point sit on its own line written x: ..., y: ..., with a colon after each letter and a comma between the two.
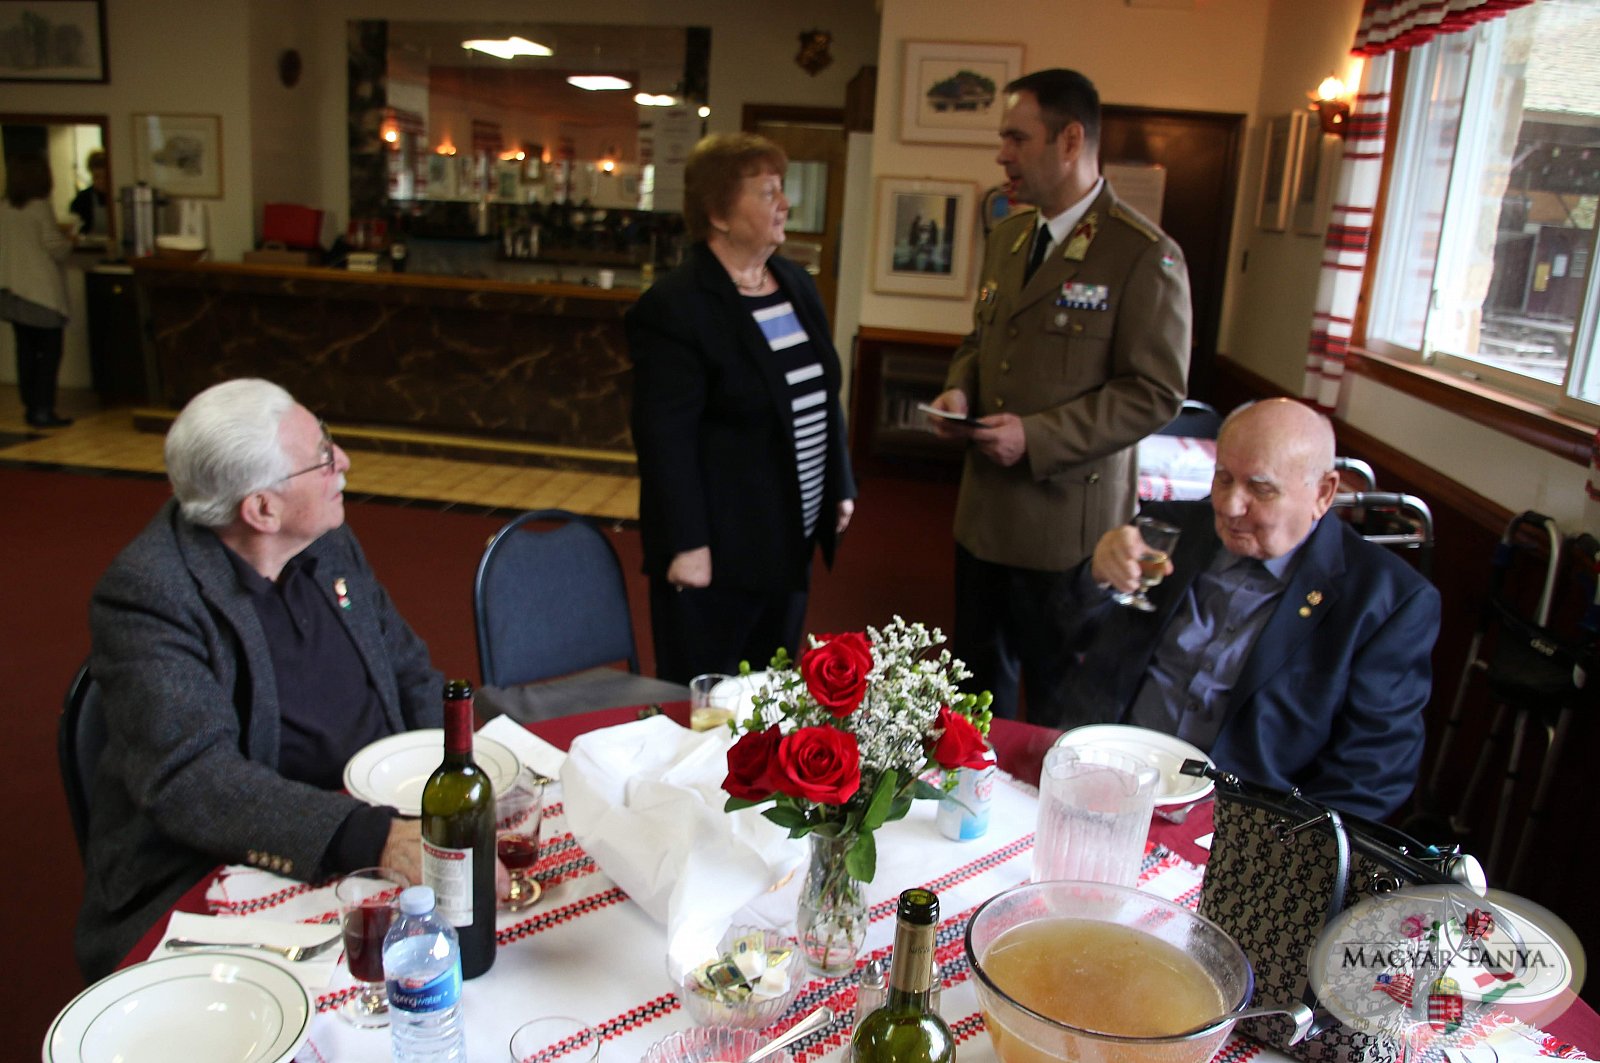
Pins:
x: 449, y: 872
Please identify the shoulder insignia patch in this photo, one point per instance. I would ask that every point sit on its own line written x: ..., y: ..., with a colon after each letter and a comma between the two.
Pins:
x: 1136, y: 223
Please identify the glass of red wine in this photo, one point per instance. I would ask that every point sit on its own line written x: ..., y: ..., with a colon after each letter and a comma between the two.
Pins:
x: 517, y: 813
x: 368, y: 900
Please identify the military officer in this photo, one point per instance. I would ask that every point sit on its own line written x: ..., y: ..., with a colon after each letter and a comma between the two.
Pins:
x: 1079, y: 349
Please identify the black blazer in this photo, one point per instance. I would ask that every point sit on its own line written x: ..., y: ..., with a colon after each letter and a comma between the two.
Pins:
x: 714, y: 431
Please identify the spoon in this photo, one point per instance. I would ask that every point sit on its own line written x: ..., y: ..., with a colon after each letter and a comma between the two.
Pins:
x: 815, y: 1021
x: 1297, y: 1012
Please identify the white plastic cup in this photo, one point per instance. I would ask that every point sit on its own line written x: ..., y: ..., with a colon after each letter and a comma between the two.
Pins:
x: 1094, y: 815
x: 608, y: 277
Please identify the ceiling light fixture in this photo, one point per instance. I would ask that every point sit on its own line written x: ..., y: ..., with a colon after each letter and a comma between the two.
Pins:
x: 599, y: 82
x: 509, y: 48
x: 705, y: 112
x: 646, y: 99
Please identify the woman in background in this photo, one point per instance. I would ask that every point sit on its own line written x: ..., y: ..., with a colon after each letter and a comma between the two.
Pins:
x: 736, y: 421
x: 33, y: 291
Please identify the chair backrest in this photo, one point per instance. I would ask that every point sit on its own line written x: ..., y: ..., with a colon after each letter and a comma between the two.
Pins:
x: 1391, y: 519
x: 1196, y: 420
x: 548, y: 603
x: 80, y: 737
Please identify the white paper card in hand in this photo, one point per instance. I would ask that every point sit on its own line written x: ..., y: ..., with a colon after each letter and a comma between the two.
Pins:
x: 646, y: 801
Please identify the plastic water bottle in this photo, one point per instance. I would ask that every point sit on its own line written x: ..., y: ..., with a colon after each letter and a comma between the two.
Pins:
x: 422, y: 966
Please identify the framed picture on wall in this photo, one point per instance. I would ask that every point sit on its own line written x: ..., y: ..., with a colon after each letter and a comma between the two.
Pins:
x: 1285, y: 134
x: 1313, y: 185
x: 925, y: 233
x: 53, y: 40
x: 952, y: 93
x: 180, y: 154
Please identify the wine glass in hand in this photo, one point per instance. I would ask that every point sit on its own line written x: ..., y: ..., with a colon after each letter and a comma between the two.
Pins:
x: 1158, y: 541
x: 367, y: 905
x: 517, y: 814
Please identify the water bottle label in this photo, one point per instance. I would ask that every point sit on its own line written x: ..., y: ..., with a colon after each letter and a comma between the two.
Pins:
x: 449, y: 872
x: 964, y: 812
x: 413, y: 994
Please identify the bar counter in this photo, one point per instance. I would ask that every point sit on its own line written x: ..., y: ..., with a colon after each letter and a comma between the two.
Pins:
x: 532, y: 363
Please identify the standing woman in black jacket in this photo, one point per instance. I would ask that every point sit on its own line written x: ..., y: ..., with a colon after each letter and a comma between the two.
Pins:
x: 737, y: 424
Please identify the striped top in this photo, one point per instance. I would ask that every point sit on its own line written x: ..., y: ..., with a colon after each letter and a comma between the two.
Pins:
x: 808, y: 397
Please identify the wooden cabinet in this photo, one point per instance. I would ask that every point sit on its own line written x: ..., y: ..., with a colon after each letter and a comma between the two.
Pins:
x: 895, y: 369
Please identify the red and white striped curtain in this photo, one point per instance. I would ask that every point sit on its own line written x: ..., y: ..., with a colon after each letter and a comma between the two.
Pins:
x: 1396, y: 25
x: 1344, y: 248
x: 1387, y: 26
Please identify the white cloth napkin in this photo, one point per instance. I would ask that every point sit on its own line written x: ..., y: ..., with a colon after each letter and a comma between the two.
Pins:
x: 533, y: 751
x: 314, y: 974
x: 645, y: 800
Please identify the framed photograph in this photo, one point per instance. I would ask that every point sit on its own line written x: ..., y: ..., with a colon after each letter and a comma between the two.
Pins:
x: 180, y: 154
x: 952, y: 93
x: 53, y: 40
x: 1313, y: 181
x: 1282, y: 158
x: 925, y: 233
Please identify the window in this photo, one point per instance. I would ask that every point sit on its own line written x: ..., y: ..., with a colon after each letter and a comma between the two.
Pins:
x: 1486, y: 265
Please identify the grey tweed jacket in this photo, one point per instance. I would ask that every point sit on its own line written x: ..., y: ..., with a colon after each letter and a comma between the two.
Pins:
x: 189, y: 776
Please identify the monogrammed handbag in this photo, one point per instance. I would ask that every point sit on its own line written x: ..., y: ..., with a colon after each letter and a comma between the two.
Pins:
x: 1281, y: 868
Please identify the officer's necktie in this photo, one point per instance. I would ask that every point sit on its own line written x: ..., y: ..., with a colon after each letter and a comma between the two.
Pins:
x: 1041, y: 244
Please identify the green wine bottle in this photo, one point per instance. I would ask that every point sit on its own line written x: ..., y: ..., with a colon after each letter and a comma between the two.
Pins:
x: 458, y: 855
x: 907, y: 1029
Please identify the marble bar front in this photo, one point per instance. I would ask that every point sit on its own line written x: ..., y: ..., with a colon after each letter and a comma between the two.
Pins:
x: 542, y: 365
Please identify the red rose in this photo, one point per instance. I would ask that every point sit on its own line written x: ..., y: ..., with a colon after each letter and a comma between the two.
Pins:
x: 750, y: 774
x: 836, y: 671
x: 819, y: 764
x: 960, y: 745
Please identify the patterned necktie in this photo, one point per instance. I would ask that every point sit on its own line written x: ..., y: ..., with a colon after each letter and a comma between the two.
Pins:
x: 1041, y: 244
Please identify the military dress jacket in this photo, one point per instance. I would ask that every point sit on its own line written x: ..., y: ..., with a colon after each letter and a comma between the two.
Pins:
x: 1093, y: 354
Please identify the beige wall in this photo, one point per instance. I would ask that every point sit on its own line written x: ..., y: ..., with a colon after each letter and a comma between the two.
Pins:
x: 1205, y: 59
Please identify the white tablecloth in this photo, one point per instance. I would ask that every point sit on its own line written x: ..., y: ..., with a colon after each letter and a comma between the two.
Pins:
x: 587, y: 951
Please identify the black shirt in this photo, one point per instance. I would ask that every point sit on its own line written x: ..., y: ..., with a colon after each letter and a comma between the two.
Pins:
x: 327, y: 706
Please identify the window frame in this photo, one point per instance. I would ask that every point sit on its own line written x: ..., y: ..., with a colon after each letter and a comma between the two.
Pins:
x: 1479, y: 378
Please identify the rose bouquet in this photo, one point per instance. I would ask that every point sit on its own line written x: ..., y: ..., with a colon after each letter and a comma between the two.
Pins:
x: 841, y: 745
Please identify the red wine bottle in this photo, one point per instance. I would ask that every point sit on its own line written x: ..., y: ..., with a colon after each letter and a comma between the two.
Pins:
x: 458, y: 836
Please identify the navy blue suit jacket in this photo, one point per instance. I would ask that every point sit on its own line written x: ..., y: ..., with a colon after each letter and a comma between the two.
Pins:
x: 1330, y: 698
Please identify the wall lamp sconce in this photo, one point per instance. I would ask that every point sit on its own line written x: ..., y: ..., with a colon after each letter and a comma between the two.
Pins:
x: 1332, y: 106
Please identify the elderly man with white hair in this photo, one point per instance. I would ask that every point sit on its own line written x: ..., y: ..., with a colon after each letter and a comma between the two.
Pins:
x: 1290, y: 649
x: 245, y: 651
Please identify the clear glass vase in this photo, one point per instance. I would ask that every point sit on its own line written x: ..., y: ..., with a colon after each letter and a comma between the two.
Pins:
x: 833, y: 909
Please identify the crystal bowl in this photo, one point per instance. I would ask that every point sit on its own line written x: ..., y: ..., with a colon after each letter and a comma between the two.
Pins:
x: 711, y: 1044
x: 1023, y: 1035
x: 706, y: 1010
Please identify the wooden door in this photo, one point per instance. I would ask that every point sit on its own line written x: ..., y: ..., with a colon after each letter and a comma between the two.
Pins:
x: 1200, y: 151
x: 814, y: 139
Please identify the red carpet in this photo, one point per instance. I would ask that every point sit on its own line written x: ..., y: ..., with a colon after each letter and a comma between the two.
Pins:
x: 61, y: 529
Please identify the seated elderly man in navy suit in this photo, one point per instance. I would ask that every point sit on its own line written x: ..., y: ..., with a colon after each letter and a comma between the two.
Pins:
x: 245, y: 650
x: 1286, y: 646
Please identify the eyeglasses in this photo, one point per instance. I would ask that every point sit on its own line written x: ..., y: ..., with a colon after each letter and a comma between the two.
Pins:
x: 327, y: 452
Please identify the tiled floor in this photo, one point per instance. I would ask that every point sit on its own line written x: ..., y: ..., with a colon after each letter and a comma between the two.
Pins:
x: 106, y: 439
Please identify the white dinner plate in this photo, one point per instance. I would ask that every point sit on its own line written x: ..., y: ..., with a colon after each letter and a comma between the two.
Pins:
x: 226, y: 1008
x: 1162, y: 751
x: 393, y: 770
